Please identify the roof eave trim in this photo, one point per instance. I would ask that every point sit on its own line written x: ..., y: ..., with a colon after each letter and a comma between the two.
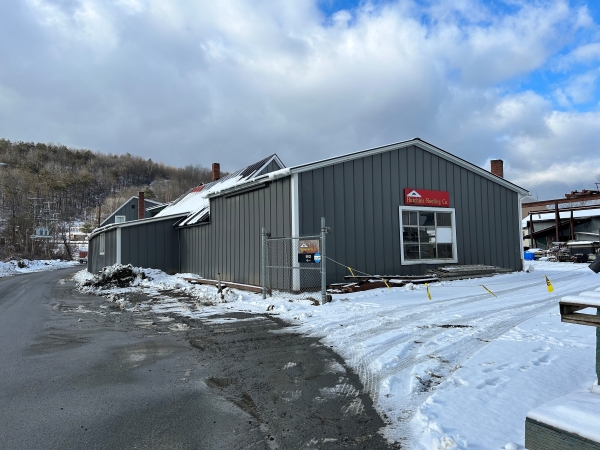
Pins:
x: 110, y: 226
x: 420, y: 143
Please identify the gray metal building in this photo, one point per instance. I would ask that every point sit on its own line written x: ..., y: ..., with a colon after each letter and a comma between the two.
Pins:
x: 393, y: 210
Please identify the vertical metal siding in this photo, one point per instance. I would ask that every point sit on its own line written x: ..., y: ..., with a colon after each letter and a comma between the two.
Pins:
x: 230, y: 243
x: 360, y: 200
x: 96, y: 261
x: 153, y: 244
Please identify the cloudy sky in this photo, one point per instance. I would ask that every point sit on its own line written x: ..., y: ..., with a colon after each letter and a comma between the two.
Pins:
x: 193, y: 82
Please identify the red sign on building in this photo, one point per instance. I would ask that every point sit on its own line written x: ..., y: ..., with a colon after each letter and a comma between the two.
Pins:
x: 423, y: 197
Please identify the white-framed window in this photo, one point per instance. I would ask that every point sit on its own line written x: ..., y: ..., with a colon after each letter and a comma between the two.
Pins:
x: 101, y: 244
x: 120, y: 219
x: 427, y: 235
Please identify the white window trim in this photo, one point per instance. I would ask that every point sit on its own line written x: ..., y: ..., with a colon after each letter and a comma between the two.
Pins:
x: 428, y: 261
x: 102, y: 244
x: 117, y: 219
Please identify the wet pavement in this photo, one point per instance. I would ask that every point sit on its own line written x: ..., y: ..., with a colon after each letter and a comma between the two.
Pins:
x: 80, y: 372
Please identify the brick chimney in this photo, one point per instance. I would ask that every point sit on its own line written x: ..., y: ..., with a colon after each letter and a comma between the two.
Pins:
x: 141, y: 205
x: 498, y: 167
x: 216, y: 171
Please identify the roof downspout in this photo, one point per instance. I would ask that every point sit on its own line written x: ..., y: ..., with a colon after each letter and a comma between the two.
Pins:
x: 295, y: 205
x: 119, y: 241
x: 519, y: 214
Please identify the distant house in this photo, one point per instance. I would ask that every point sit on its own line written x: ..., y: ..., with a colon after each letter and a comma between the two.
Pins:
x: 130, y: 210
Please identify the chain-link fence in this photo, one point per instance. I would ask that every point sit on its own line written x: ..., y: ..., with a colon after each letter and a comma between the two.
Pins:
x: 293, y: 267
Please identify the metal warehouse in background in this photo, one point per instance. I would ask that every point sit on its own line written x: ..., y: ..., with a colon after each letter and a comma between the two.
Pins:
x: 398, y: 209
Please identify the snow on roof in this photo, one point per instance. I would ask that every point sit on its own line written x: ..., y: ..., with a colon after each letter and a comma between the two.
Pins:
x: 196, y: 201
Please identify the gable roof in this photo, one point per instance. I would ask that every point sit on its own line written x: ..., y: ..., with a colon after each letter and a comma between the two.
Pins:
x: 374, y: 151
x: 403, y: 144
x: 195, y: 202
x: 155, y: 204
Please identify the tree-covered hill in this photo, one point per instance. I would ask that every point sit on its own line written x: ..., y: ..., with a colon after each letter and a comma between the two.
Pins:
x: 72, y: 183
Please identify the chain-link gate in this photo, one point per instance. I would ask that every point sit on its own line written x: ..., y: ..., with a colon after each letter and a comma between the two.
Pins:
x: 294, y: 267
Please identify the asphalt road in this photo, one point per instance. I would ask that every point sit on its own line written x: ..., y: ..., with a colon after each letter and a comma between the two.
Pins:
x: 77, y: 372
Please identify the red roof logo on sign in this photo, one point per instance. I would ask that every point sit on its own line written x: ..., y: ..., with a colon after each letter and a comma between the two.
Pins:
x: 413, y: 193
x: 424, y: 197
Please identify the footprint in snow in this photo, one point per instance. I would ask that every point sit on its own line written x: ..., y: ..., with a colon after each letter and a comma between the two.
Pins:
x: 542, y: 360
x: 492, y: 382
x: 541, y: 349
x: 494, y: 369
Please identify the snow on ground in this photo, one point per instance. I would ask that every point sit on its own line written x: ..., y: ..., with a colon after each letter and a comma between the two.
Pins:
x: 458, y: 371
x: 12, y: 267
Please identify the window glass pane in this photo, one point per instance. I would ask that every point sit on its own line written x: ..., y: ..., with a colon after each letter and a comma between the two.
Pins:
x: 410, y: 234
x: 444, y: 251
x: 426, y: 219
x: 428, y: 251
x: 427, y: 235
x: 444, y: 219
x: 120, y: 219
x: 411, y: 252
x: 444, y: 235
x: 405, y: 218
x: 414, y: 218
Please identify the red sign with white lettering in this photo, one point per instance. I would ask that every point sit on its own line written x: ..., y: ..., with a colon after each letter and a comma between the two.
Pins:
x: 423, y: 197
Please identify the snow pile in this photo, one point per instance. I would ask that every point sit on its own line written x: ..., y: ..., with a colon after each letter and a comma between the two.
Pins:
x: 458, y: 371
x: 119, y: 280
x: 14, y: 267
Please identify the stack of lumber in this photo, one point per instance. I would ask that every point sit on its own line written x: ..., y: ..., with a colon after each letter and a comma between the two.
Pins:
x: 360, y: 283
x: 449, y: 273
x: 364, y: 283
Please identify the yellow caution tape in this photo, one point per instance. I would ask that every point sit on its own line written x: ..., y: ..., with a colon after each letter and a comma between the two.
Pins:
x: 488, y: 290
x: 428, y: 293
x: 549, y: 284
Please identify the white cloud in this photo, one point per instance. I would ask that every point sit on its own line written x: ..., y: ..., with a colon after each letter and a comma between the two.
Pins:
x: 238, y: 80
x: 85, y: 22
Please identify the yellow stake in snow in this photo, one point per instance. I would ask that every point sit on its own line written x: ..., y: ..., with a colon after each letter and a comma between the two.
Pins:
x: 428, y: 293
x: 386, y: 283
x: 488, y: 290
x: 549, y: 284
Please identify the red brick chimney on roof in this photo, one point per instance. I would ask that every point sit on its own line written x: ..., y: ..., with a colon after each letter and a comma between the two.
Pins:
x: 141, y: 205
x: 216, y: 171
x: 498, y: 167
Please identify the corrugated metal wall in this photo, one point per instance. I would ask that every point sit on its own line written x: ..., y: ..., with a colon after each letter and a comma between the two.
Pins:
x: 96, y: 261
x: 231, y: 242
x: 153, y: 244
x: 360, y: 200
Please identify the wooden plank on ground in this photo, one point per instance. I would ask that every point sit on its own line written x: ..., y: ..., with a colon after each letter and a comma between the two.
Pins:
x: 224, y: 284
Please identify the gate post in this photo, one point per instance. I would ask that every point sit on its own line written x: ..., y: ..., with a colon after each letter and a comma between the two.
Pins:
x: 264, y: 262
x: 323, y: 263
